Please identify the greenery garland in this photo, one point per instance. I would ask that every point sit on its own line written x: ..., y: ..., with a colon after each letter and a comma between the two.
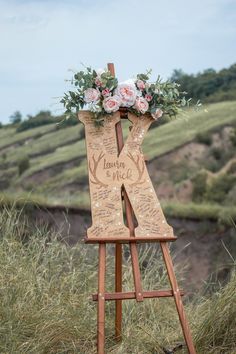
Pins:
x: 100, y: 92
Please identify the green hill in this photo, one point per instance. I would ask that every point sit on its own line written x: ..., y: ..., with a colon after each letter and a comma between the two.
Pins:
x: 54, y: 161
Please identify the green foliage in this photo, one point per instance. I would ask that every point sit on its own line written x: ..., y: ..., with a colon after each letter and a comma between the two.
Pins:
x: 199, y: 182
x: 1, y: 125
x: 42, y: 118
x: 16, y: 117
x: 204, y: 138
x: 233, y: 137
x: 217, y: 321
x: 23, y: 164
x: 209, y: 85
x: 164, y: 96
x: 217, y: 153
x: 219, y: 188
x: 68, y: 122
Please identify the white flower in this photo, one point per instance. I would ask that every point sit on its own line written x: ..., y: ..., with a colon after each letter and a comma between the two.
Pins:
x: 141, y: 105
x: 112, y: 104
x: 127, y: 92
x: 157, y: 114
x: 100, y: 72
x: 91, y: 95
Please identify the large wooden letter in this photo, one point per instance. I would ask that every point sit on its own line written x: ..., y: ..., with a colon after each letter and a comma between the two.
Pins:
x: 108, y: 171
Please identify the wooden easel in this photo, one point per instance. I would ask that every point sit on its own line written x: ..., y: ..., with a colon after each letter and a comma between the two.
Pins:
x: 101, y: 297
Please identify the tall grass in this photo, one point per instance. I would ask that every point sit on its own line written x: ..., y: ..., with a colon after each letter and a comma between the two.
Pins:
x: 45, y: 305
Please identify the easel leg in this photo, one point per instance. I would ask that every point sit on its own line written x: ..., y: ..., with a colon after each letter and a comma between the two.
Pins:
x: 177, y: 297
x: 101, y: 299
x: 136, y: 272
x: 118, y: 288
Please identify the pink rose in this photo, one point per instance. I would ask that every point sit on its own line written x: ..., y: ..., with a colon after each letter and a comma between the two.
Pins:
x: 106, y: 92
x: 157, y: 114
x: 140, y: 85
x: 148, y: 97
x: 112, y: 104
x: 91, y: 95
x: 141, y: 105
x: 98, y: 81
x: 127, y: 93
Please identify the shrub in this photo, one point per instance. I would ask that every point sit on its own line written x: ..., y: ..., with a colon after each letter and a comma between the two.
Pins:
x: 23, y: 164
x: 233, y: 137
x: 68, y: 122
x: 204, y: 138
x: 199, y: 182
x: 42, y: 118
x: 219, y: 188
x: 1, y: 126
x: 217, y: 153
x: 16, y: 117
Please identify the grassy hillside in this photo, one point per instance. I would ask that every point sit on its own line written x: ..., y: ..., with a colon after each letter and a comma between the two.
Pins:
x: 56, y: 168
x: 46, y: 304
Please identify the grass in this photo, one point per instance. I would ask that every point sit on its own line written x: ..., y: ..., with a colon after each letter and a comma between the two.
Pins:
x: 186, y: 128
x: 160, y: 140
x: 45, y: 306
x: 217, y: 212
x: 46, y: 144
x: 8, y: 136
x: 225, y: 215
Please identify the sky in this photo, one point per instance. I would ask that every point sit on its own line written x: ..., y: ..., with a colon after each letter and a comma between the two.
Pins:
x: 40, y: 40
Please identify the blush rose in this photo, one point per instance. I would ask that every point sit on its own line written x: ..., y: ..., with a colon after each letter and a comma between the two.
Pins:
x: 148, y: 97
x: 112, y: 104
x: 91, y: 95
x: 141, y: 105
x: 106, y: 92
x: 127, y: 93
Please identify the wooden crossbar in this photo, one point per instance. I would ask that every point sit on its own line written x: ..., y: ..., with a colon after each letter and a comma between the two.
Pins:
x: 131, y: 295
x: 134, y: 239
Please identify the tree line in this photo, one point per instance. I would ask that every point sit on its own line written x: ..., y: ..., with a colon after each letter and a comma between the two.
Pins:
x: 209, y: 85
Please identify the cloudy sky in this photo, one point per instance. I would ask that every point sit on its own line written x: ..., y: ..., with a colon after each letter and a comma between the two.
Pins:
x: 40, y: 40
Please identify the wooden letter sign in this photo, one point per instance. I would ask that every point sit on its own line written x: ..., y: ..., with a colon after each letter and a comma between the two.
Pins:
x: 109, y: 170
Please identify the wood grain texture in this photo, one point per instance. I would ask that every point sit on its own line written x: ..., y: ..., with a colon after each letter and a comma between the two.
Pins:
x: 101, y: 299
x: 130, y: 295
x: 110, y: 169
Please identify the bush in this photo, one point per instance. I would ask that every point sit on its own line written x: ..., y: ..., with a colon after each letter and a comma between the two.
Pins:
x: 233, y: 137
x: 217, y: 153
x: 23, y: 164
x: 199, y: 182
x: 16, y: 117
x: 204, y: 138
x: 1, y: 126
x: 68, y: 122
x: 42, y: 118
x: 219, y: 188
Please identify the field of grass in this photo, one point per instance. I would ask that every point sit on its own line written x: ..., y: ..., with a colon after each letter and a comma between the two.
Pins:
x: 50, y: 149
x: 8, y: 136
x: 160, y: 140
x: 224, y: 215
x: 46, y: 307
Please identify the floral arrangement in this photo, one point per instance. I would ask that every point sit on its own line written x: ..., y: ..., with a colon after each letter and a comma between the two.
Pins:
x: 100, y: 92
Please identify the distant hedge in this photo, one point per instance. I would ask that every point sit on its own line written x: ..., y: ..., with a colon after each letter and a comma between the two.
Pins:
x: 44, y: 118
x: 209, y: 85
